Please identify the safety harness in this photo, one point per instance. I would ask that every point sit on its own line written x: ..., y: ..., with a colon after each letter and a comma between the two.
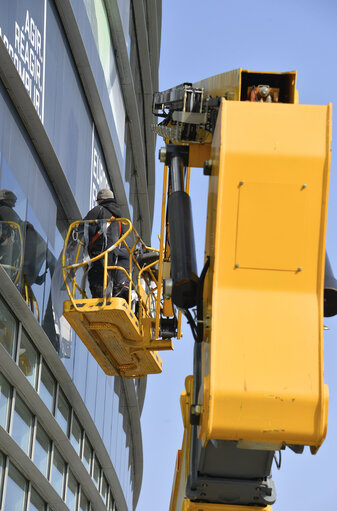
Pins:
x: 100, y: 232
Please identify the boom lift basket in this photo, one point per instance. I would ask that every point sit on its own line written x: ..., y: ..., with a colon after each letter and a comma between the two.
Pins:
x: 122, y: 335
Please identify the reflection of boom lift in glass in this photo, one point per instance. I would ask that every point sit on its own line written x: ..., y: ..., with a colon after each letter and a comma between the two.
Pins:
x: 123, y: 336
x: 29, y: 296
x: 11, y: 249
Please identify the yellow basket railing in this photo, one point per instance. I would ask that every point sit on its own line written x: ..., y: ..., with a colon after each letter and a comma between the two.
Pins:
x: 144, y: 288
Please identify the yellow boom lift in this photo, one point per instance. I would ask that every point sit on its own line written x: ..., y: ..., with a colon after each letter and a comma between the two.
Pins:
x: 257, y: 385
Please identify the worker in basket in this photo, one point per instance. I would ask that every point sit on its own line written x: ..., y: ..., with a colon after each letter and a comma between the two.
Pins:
x: 103, y: 235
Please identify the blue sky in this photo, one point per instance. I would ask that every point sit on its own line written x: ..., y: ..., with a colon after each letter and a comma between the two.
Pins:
x: 200, y: 39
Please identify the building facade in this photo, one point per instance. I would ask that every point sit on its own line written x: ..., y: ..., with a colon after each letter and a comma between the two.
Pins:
x: 76, y: 84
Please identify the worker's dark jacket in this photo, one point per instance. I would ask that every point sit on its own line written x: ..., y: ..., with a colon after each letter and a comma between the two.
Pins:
x: 106, y: 209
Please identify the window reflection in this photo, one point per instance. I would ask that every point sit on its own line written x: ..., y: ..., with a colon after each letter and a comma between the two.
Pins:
x: 111, y: 502
x: 91, y: 385
x: 26, y: 238
x: 41, y: 450
x: 104, y: 490
x: 5, y: 393
x: 28, y: 358
x: 54, y: 324
x: 10, y: 182
x: 47, y: 387
x: 87, y: 455
x: 36, y: 502
x: 37, y: 261
x: 96, y: 472
x: 24, y: 252
x: 84, y: 503
x: 100, y: 400
x: 16, y: 490
x: 80, y: 366
x: 114, y: 435
x: 2, y: 466
x: 62, y: 412
x: 76, y: 435
x: 7, y: 329
x: 71, y: 492
x: 120, y: 442
x: 11, y: 235
x: 108, y: 413
x: 100, y: 28
x: 22, y: 424
x: 58, y: 472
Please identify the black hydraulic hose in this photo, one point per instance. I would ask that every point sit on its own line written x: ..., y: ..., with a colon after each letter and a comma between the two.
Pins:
x: 197, y: 368
x: 198, y: 340
x: 200, y: 308
x: 192, y: 324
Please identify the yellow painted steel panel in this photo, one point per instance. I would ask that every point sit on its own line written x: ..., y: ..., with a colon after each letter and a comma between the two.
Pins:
x: 182, y: 468
x: 113, y: 337
x: 263, y: 359
x: 227, y: 83
x: 275, y: 223
x: 206, y: 506
x: 230, y: 84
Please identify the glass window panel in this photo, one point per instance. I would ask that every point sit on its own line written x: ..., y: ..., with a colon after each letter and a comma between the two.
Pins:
x: 100, y: 28
x: 16, y: 490
x: 87, y: 454
x: 91, y: 384
x: 114, y: 426
x: 47, y: 387
x: 108, y: 413
x: 104, y: 490
x: 22, y: 424
x: 62, y: 411
x: 120, y: 444
x: 58, y: 471
x: 5, y: 393
x: 111, y: 502
x: 2, y: 465
x: 36, y: 502
x: 28, y: 358
x: 34, y: 265
x: 7, y: 329
x: 80, y: 365
x: 11, y: 227
x: 76, y: 435
x: 41, y: 450
x: 84, y: 503
x: 96, y: 472
x: 100, y: 400
x: 71, y: 492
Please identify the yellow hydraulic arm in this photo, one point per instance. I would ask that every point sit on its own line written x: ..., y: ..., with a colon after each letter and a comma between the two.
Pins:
x: 258, y: 382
